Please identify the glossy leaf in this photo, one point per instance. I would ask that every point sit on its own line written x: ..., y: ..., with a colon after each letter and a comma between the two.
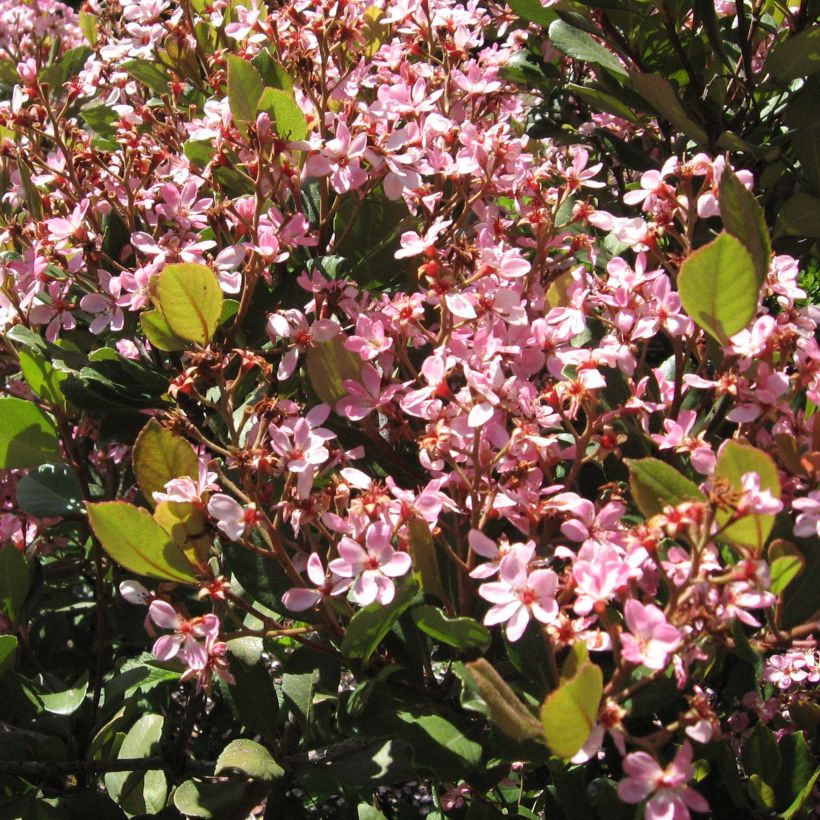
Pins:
x: 198, y: 798
x: 655, y: 485
x: 569, y: 713
x: 159, y: 456
x: 67, y: 701
x: 786, y: 563
x: 42, y: 377
x: 289, y: 121
x: 250, y: 758
x: 190, y: 299
x: 140, y: 792
x: 581, y: 46
x: 135, y: 541
x: 661, y: 95
x: 735, y: 460
x: 368, y: 627
x: 245, y: 86
x: 743, y: 218
x: 50, y: 490
x: 799, y: 216
x: 149, y: 74
x: 28, y: 436
x: 460, y: 633
x: 533, y: 11
x: 718, y: 287
x: 795, y: 57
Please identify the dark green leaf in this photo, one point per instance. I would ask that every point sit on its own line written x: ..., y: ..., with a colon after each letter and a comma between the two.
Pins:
x: 369, y: 625
x: 761, y: 755
x: 797, y: 56
x: 463, y: 634
x: 8, y: 648
x: 197, y: 798
x: 250, y: 758
x: 28, y: 436
x: 50, y: 490
x: 14, y: 582
x: 661, y: 95
x: 799, y: 216
x: 533, y: 11
x: 581, y: 46
x: 149, y: 74
x: 655, y: 485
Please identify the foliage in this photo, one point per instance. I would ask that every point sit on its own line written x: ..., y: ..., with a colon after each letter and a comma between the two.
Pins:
x: 410, y: 409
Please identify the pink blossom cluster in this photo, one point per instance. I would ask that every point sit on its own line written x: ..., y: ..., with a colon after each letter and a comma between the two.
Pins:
x: 517, y: 356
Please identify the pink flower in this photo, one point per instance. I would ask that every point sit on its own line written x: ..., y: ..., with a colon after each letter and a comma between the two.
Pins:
x: 520, y: 595
x: 676, y: 436
x: 756, y: 501
x: 669, y: 796
x: 364, y: 398
x: 340, y: 158
x: 299, y: 599
x: 369, y: 340
x: 652, y: 638
x: 231, y: 517
x: 187, y: 637
x: 807, y: 522
x: 300, y: 447
x: 374, y: 566
x: 185, y: 489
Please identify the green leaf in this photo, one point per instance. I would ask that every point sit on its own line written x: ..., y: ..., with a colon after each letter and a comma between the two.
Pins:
x: 795, y: 57
x: 743, y: 218
x: 602, y: 101
x: 190, y: 299
x: 250, y: 758
x: 735, y: 460
x: 14, y: 582
x: 581, y: 46
x: 196, y: 798
x: 253, y: 699
x: 799, y: 216
x: 199, y: 152
x: 135, y: 541
x: 437, y: 741
x: 50, y: 490
x: 371, y: 623
x: 422, y: 549
x: 796, y: 768
x: 245, y: 86
x: 506, y: 709
x: 655, y: 485
x: 289, y: 120
x: 806, y: 144
x: 68, y: 701
x: 187, y: 524
x: 463, y: 634
x: 569, y: 713
x: 786, y: 563
x: 88, y: 26
x: 802, y: 797
x: 329, y: 364
x: 273, y: 73
x: 761, y: 755
x: 28, y: 436
x: 8, y: 648
x: 661, y: 95
x: 761, y: 792
x: 65, y: 68
x: 159, y: 456
x: 533, y: 11
x: 718, y: 287
x: 42, y: 377
x: 159, y: 333
x: 149, y: 74
x: 364, y: 811
x: 140, y: 792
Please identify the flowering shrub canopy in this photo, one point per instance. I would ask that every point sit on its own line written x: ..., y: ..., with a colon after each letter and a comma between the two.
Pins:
x: 409, y: 392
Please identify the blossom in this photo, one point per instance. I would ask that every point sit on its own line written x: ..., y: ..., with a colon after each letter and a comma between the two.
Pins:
x: 670, y: 798
x: 188, y: 637
x: 651, y: 639
x: 188, y: 490
x: 299, y: 599
x: 374, y: 566
x: 520, y: 594
x: 231, y: 517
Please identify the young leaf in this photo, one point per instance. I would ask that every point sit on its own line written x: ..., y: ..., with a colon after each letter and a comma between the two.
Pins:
x: 655, y: 485
x: 735, y: 460
x: 743, y: 218
x: 329, y: 364
x: 289, y: 120
x: 506, y: 709
x: 28, y: 436
x: 135, y: 541
x: 159, y: 456
x: 190, y: 299
x: 718, y: 287
x: 158, y: 332
x: 569, y: 713
x: 244, y: 89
